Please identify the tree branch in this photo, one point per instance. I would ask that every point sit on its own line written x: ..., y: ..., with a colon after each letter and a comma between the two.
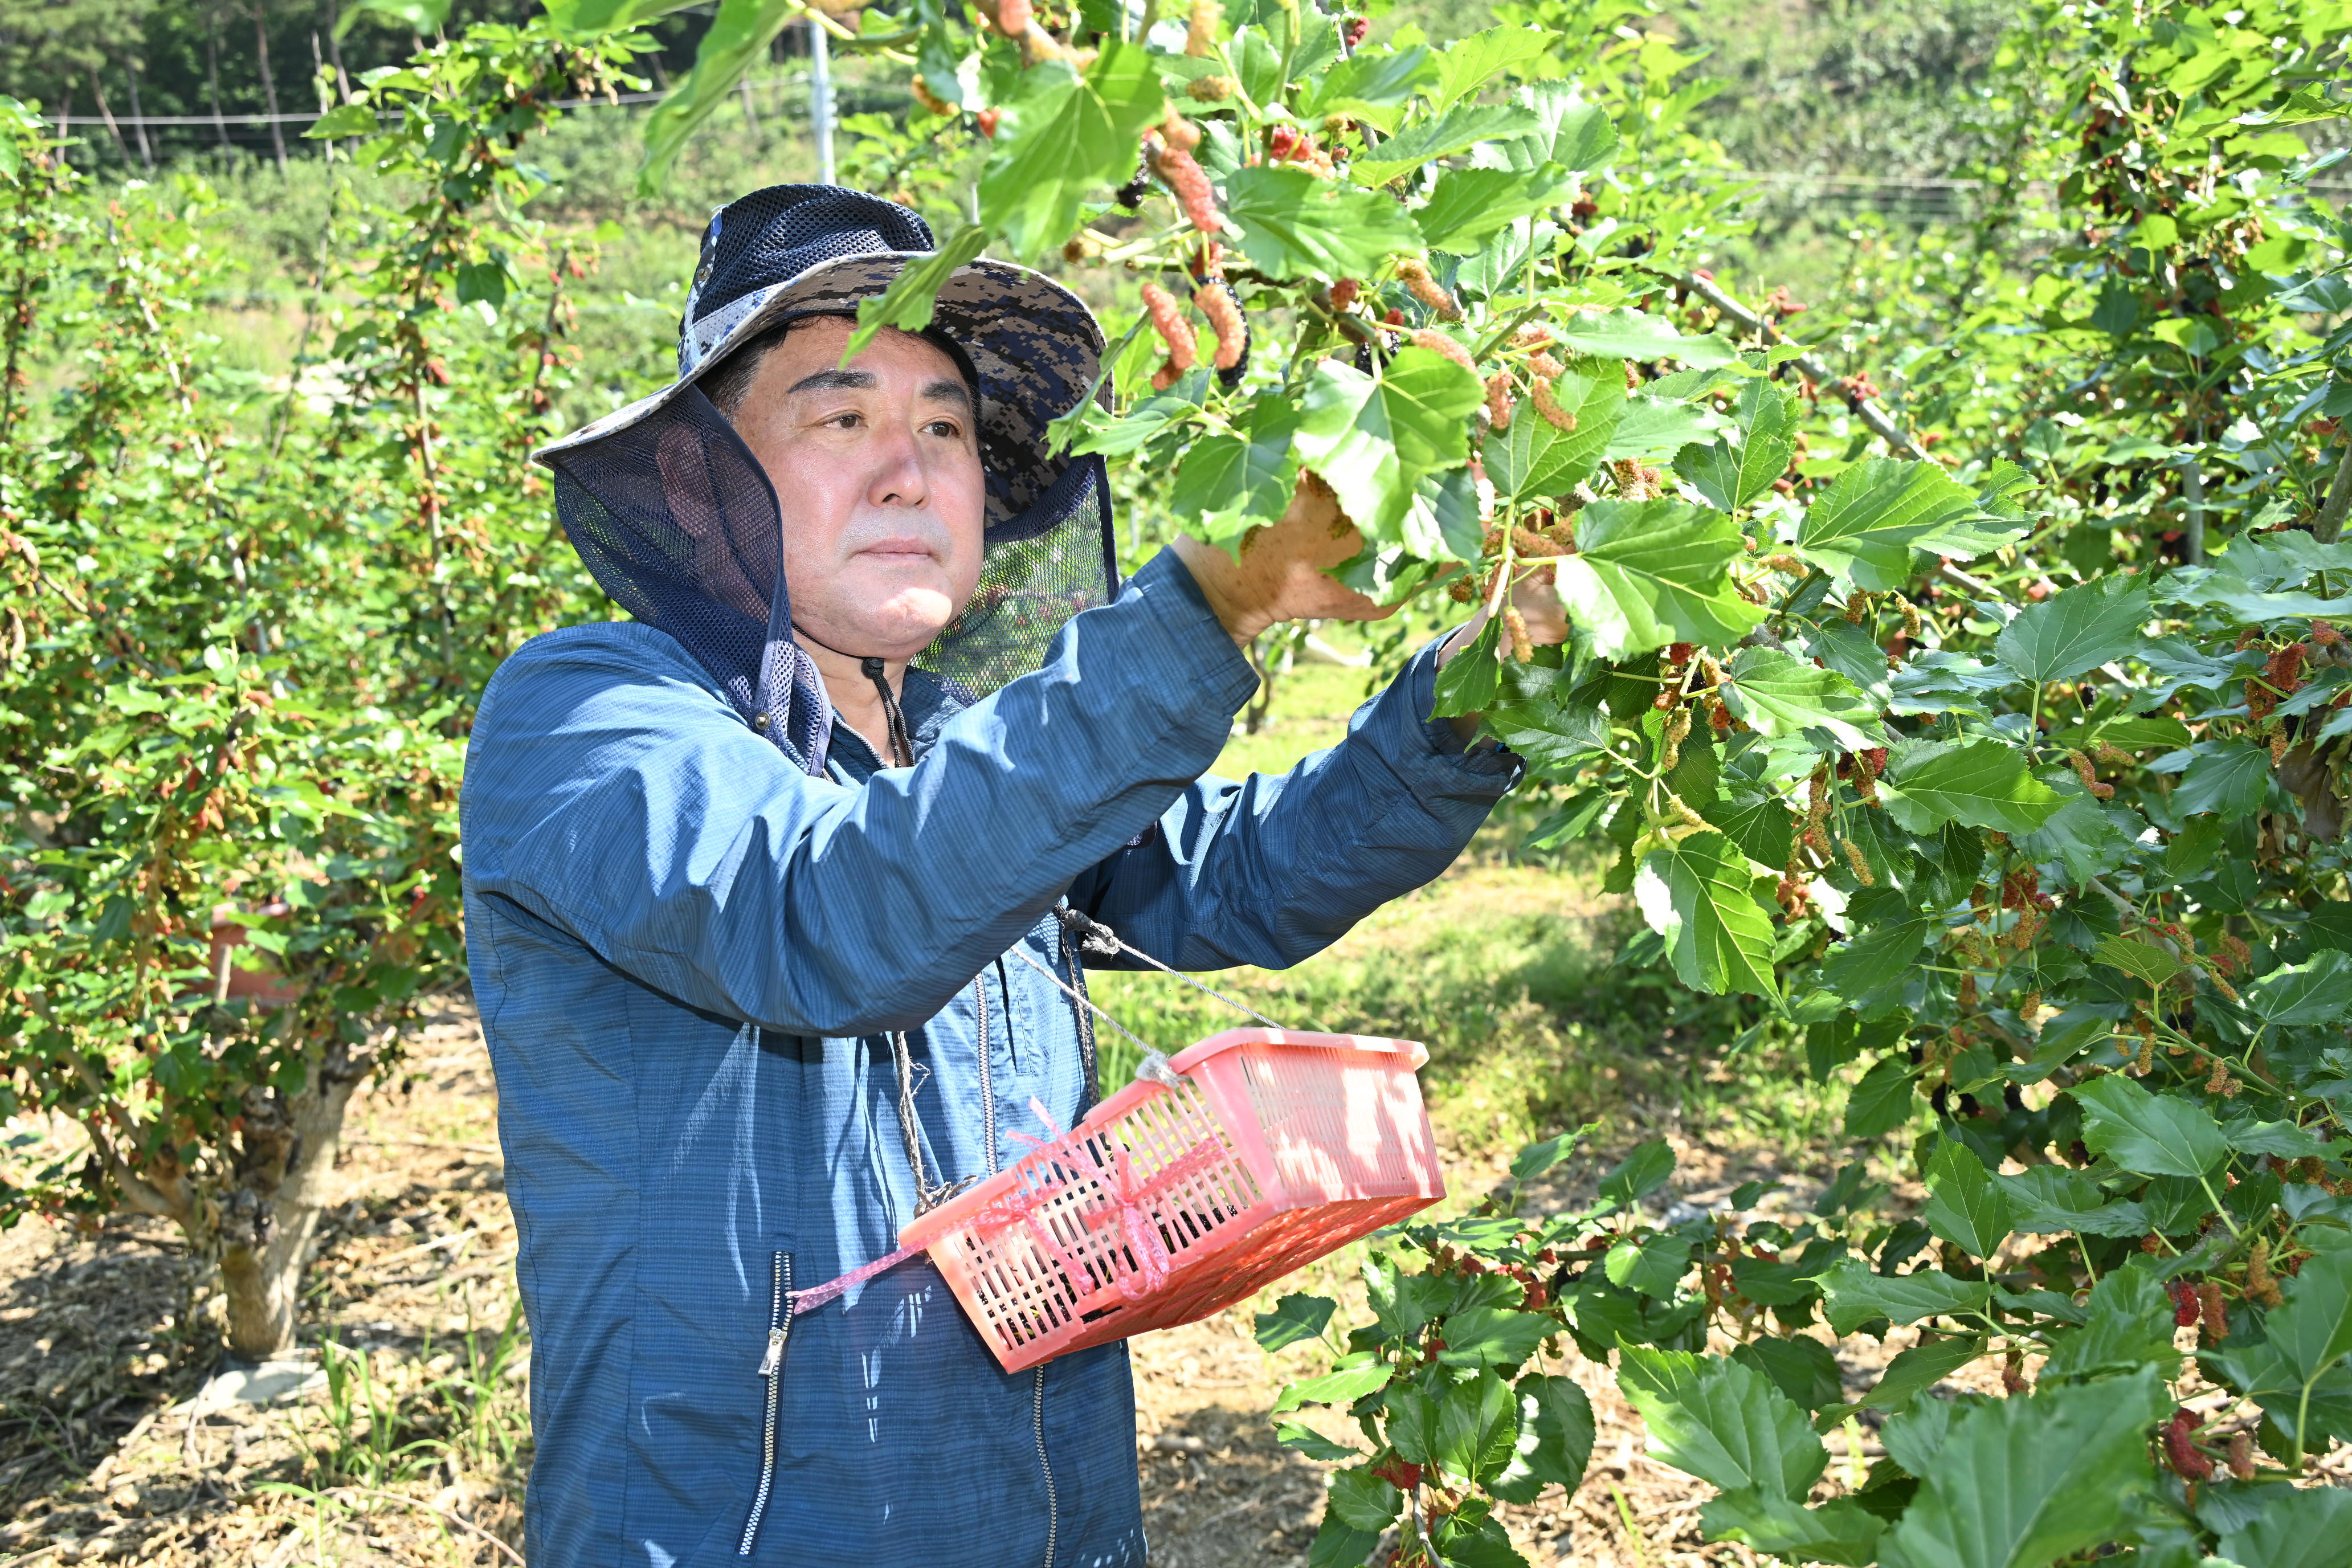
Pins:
x: 2329, y: 525
x: 1871, y: 412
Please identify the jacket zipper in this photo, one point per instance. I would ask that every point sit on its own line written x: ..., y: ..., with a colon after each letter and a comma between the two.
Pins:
x: 987, y: 1077
x: 771, y: 1367
x: 1053, y: 1505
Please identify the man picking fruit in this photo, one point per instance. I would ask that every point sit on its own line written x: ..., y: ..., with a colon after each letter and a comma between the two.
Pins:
x: 764, y: 896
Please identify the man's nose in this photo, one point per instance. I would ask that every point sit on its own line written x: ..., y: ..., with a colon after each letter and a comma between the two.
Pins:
x: 898, y: 477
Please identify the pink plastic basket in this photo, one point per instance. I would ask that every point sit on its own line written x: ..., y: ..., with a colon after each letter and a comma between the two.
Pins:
x: 1167, y: 1204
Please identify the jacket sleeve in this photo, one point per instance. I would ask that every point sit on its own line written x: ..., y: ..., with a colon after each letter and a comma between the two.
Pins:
x: 611, y: 792
x: 1271, y: 870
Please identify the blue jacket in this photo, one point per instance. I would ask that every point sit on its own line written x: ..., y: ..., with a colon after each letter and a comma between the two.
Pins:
x: 688, y: 957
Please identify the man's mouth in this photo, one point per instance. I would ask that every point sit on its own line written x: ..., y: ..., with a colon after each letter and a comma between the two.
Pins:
x: 896, y: 552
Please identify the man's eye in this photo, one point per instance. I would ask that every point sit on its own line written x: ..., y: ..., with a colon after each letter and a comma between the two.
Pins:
x: 846, y: 421
x: 947, y: 428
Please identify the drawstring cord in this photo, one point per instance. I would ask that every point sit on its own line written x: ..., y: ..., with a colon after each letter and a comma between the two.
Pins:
x: 902, y: 750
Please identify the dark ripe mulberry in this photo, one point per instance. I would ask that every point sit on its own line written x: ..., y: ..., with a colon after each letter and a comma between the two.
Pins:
x: 2185, y: 1308
x: 1131, y: 195
x: 2180, y: 1447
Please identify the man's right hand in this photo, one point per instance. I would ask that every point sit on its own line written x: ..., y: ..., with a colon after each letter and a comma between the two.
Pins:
x: 1280, y: 575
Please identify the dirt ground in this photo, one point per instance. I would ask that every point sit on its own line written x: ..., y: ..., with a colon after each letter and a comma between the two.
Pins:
x: 104, y: 1456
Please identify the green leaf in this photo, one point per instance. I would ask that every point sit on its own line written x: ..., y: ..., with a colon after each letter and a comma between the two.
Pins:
x: 2230, y: 779
x: 1983, y: 782
x: 1061, y: 136
x: 2023, y: 1482
x: 1877, y: 958
x: 1477, y: 1427
x: 1655, y: 426
x: 1295, y: 1318
x: 428, y: 15
x: 1853, y: 1294
x: 1342, y: 1387
x: 2129, y: 1324
x: 1652, y: 1265
x: 1301, y: 1439
x: 1456, y: 130
x: 2300, y: 1528
x: 1374, y: 80
x: 1652, y: 572
x: 1361, y: 1500
x: 1469, y: 204
x: 580, y: 19
x: 2304, y: 995
x: 1492, y: 1336
x: 2149, y: 964
x: 2283, y: 1139
x: 1230, y: 482
x: 2314, y: 1331
x: 344, y: 119
x: 1339, y: 1545
x: 1725, y: 944
x: 1965, y: 1206
x: 1730, y: 477
x: 2079, y: 837
x: 2149, y: 1134
x: 1913, y: 1371
x: 1570, y: 133
x: 1877, y: 512
x: 2077, y: 630
x: 1559, y: 1416
x: 1756, y: 820
x: 738, y: 37
x: 1802, y: 1368
x: 1633, y: 334
x: 1638, y: 1175
x: 1881, y: 1102
x: 1295, y: 226
x: 2052, y: 1198
x: 1781, y: 694
x: 1534, y: 459
x: 1370, y: 440
x: 1468, y: 681
x: 1470, y: 63
x: 1720, y: 1421
x: 909, y: 302
x: 1537, y: 1157
x: 1841, y: 1530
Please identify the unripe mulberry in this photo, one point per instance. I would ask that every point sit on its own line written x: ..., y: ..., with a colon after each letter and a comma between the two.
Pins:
x: 1180, y: 132
x: 1189, y: 182
x: 2214, y: 1311
x: 930, y: 101
x: 1012, y: 18
x: 2242, y: 1456
x: 1200, y: 35
x: 2185, y: 1308
x: 1498, y: 400
x: 1213, y: 90
x: 2260, y: 1283
x: 1168, y: 320
x: 1437, y: 342
x: 1343, y: 295
x: 1414, y: 274
x: 1855, y: 858
x: 1548, y: 403
x: 1523, y: 647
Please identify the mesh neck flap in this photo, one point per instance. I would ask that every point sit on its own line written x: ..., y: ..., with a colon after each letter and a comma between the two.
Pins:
x: 676, y: 521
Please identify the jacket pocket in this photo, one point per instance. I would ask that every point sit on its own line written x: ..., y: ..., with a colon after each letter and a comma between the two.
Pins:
x: 771, y: 1372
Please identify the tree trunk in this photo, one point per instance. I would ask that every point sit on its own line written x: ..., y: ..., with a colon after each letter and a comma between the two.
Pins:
x: 139, y: 119
x: 212, y: 74
x: 291, y: 1142
x: 97, y: 90
x: 261, y: 1229
x: 65, y: 125
x: 268, y: 86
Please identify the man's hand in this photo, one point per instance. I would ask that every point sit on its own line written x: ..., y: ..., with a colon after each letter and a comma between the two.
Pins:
x: 1279, y: 576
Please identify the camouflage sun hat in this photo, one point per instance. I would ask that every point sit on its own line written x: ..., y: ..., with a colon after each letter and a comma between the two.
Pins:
x: 676, y: 521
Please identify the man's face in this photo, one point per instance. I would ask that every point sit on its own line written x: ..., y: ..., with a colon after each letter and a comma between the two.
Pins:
x: 878, y: 469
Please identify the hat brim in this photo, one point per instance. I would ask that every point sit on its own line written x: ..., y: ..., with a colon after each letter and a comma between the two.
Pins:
x: 1034, y: 345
